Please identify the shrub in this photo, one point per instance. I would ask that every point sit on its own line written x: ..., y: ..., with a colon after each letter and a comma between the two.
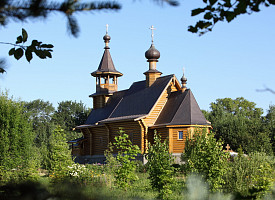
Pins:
x: 125, y: 174
x: 160, y: 167
x: 251, y: 176
x: 204, y: 155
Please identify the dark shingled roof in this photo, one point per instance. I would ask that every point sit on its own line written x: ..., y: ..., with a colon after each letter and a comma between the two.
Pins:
x: 106, y: 65
x: 133, y: 103
x: 181, y: 109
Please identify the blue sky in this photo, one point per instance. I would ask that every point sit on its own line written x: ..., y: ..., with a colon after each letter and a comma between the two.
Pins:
x: 232, y: 61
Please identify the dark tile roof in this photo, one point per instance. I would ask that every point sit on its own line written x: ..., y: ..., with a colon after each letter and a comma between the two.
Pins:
x: 181, y: 109
x: 133, y: 103
x: 106, y: 64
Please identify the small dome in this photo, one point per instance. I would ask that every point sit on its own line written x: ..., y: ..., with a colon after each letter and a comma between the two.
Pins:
x: 152, y: 53
x: 106, y: 37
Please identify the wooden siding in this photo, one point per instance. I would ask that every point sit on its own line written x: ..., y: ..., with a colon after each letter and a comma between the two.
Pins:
x: 132, y: 128
x: 179, y: 145
x: 87, y: 143
x: 151, y: 119
x: 99, y: 140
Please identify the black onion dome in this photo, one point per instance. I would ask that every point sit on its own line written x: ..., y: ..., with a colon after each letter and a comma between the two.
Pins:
x: 107, y: 37
x: 152, y: 54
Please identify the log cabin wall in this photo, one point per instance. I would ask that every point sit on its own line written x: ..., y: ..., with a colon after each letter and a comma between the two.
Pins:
x: 99, y: 140
x: 179, y: 144
x: 132, y: 128
x: 87, y: 143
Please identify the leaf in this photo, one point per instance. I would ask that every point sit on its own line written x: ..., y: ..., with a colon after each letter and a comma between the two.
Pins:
x: 47, y: 46
x: 212, y: 2
x: 40, y: 54
x: 19, y: 39
x: 18, y: 53
x: 28, y: 54
x: 271, y: 2
x: 11, y: 52
x: 208, y: 15
x: 48, y: 54
x: 229, y: 16
x: 197, y: 11
x: 34, y: 43
x: 192, y: 29
x: 25, y: 35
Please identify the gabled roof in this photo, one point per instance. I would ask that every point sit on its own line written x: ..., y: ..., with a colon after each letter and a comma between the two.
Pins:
x: 181, y: 109
x: 134, y: 103
x: 106, y: 65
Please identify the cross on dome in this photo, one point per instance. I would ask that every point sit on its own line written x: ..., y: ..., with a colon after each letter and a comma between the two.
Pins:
x: 152, y: 34
x: 107, y: 26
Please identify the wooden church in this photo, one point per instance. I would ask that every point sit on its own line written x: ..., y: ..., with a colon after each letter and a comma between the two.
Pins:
x: 158, y: 103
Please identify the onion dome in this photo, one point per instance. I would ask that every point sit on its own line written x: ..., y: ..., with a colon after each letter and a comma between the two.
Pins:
x: 152, y: 54
x: 183, y: 80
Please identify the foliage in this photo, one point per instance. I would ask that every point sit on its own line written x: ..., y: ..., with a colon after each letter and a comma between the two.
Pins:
x: 125, y: 174
x: 239, y: 123
x: 41, y: 50
x: 197, y: 189
x: 38, y: 9
x: 59, y: 153
x: 16, y: 144
x: 160, y: 167
x: 40, y: 114
x: 204, y: 155
x: 70, y: 114
x: 251, y: 176
x: 270, y: 124
x: 220, y: 10
x: 111, y: 162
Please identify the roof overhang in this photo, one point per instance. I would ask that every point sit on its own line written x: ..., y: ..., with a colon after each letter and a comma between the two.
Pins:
x: 179, y: 126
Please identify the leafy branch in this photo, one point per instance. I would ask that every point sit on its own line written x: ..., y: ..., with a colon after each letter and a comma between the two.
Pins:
x: 221, y: 10
x: 41, y: 50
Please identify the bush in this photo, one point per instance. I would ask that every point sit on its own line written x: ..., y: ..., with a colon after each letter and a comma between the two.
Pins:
x: 160, y: 167
x: 125, y: 174
x: 204, y: 155
x: 251, y: 176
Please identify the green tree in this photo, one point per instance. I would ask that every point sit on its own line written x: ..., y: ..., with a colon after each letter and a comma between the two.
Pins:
x: 270, y: 123
x: 59, y: 153
x: 127, y: 152
x: 160, y: 167
x: 40, y: 114
x: 204, y: 155
x: 238, y: 122
x: 17, y: 136
x: 220, y: 10
x: 70, y: 114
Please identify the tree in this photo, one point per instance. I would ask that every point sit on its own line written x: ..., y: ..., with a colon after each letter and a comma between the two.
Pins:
x: 70, y: 114
x: 40, y: 115
x: 160, y: 167
x: 239, y: 123
x: 204, y: 155
x: 59, y: 153
x: 270, y: 123
x: 16, y: 143
x: 219, y: 10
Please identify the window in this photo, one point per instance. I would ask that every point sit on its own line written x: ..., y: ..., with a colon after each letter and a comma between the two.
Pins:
x: 180, y: 136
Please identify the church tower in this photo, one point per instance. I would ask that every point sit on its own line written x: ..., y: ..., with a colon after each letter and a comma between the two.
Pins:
x: 106, y: 76
x: 152, y: 55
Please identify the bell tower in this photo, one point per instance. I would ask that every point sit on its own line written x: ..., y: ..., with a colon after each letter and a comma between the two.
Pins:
x: 106, y: 76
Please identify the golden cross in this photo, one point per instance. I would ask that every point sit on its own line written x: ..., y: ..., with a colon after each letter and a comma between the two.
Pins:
x: 227, y: 147
x: 152, y: 35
